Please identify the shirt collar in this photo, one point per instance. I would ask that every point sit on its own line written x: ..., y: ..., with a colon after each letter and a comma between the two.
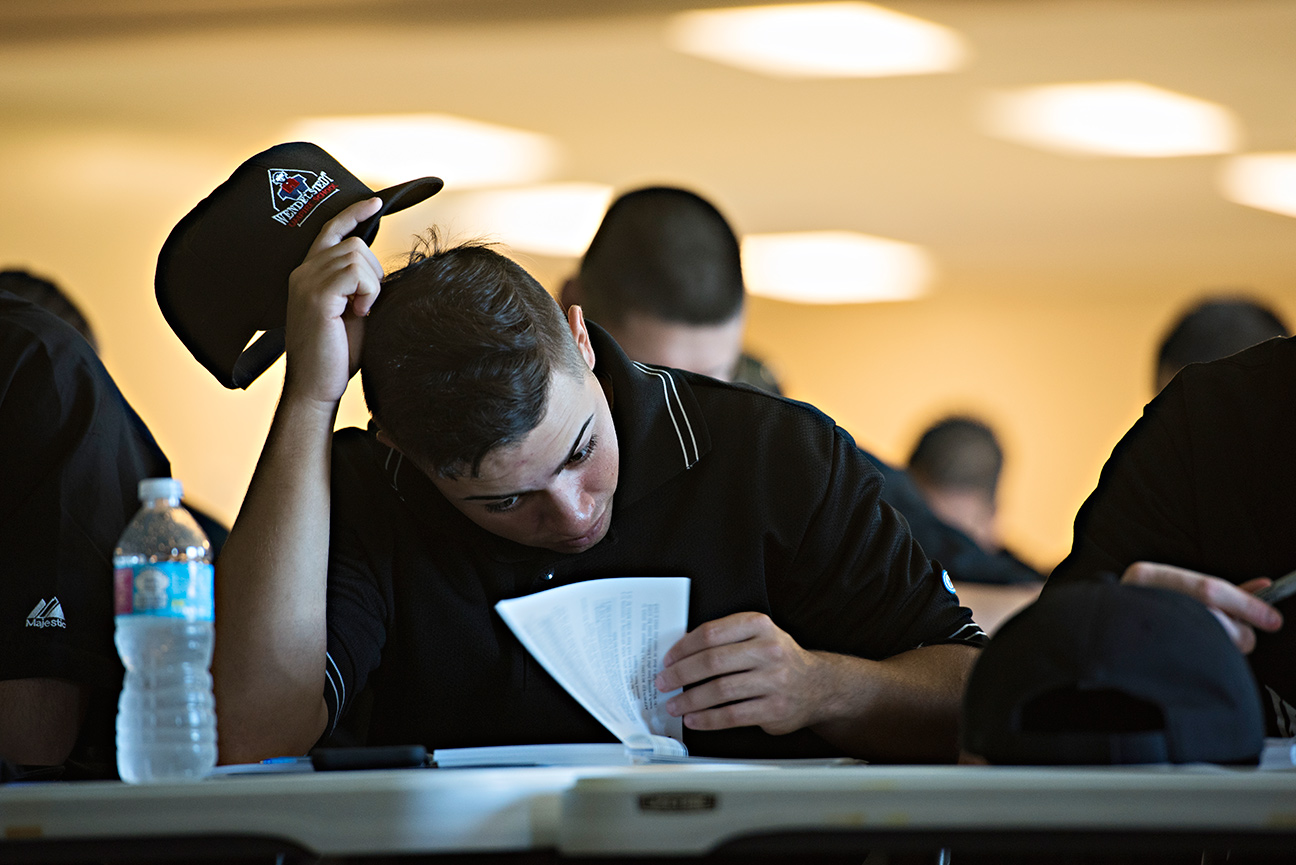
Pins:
x: 660, y: 428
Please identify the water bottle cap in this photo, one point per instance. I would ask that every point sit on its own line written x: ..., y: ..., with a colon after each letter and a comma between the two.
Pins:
x: 160, y: 488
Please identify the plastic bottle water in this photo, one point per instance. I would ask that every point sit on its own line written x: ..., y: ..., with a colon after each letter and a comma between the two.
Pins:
x: 162, y: 579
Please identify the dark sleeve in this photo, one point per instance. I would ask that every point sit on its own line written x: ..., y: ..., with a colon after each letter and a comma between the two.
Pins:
x: 870, y: 590
x: 1143, y: 506
x: 357, y: 604
x: 961, y: 555
x: 73, y: 454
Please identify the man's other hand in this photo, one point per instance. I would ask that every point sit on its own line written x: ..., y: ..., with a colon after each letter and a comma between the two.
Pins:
x: 1236, y: 607
x: 746, y: 671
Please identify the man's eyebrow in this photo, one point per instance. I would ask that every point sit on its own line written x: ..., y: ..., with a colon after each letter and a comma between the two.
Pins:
x: 576, y: 446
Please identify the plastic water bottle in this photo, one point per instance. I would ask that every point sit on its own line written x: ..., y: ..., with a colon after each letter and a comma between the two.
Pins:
x: 162, y: 580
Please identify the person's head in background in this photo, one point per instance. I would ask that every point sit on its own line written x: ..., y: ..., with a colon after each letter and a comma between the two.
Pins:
x: 1214, y: 328
x: 48, y: 295
x: 956, y: 465
x: 663, y: 276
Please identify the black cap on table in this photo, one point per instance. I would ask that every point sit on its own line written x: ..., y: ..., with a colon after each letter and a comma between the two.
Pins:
x: 1102, y: 673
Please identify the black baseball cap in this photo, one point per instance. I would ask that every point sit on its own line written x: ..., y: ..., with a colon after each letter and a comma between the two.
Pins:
x: 1097, y: 672
x: 222, y: 274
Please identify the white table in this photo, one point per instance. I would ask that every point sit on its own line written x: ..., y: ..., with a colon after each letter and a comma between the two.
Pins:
x: 307, y: 815
x: 322, y: 813
x: 658, y: 811
x: 969, y: 808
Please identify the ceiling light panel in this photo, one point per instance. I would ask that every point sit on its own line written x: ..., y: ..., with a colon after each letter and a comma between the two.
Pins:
x: 1263, y: 180
x: 834, y: 267
x: 819, y: 40
x: 1111, y: 118
x: 557, y: 219
x: 386, y: 149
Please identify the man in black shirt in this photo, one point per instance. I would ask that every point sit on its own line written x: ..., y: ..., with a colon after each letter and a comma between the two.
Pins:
x: 74, y: 452
x: 512, y: 450
x: 1197, y: 497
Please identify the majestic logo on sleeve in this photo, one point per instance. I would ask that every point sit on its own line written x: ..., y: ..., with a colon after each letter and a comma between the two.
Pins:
x: 295, y: 193
x: 46, y: 615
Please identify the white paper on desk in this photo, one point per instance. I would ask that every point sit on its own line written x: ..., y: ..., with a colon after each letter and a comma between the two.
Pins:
x: 604, y: 641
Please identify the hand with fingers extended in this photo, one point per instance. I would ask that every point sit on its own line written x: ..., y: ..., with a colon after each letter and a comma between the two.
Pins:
x: 745, y: 671
x: 1236, y: 606
x: 329, y: 294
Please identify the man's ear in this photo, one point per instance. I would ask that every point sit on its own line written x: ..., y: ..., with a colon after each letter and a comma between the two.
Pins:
x: 571, y: 293
x: 576, y: 321
x: 385, y: 440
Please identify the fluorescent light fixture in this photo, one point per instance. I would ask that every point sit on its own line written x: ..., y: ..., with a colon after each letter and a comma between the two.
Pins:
x: 386, y: 149
x: 1112, y: 118
x: 557, y: 219
x: 818, y: 40
x: 833, y: 267
x: 1263, y: 180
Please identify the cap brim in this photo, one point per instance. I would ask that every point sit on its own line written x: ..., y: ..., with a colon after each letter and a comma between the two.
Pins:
x: 395, y: 199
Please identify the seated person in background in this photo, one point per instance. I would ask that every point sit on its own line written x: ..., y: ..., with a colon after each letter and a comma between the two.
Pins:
x: 956, y: 466
x: 513, y: 450
x: 49, y: 296
x: 73, y: 453
x: 663, y: 276
x: 1197, y: 497
x: 1214, y: 328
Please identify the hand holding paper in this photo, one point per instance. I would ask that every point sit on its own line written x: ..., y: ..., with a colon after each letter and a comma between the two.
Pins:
x: 747, y: 672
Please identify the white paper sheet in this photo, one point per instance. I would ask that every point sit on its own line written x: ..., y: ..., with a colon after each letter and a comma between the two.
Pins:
x: 603, y: 641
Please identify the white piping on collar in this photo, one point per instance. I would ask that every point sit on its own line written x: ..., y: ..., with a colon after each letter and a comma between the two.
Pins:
x: 339, y: 697
x: 976, y: 631
x: 668, y: 391
x: 400, y: 460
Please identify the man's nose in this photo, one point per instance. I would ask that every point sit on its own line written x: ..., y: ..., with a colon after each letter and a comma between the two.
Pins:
x: 572, y: 506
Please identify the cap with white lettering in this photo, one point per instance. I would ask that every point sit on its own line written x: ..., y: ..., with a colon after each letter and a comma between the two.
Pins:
x: 222, y: 275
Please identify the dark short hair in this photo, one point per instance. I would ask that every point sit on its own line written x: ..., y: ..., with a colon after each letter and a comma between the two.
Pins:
x: 459, y: 351
x: 48, y: 295
x: 960, y: 453
x: 664, y: 252
x: 1217, y: 327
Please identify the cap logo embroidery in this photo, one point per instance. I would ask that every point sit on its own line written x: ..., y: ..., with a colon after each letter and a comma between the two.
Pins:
x: 295, y: 193
x: 47, y: 615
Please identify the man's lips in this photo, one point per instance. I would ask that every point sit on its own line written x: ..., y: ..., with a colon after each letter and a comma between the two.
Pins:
x: 595, y: 532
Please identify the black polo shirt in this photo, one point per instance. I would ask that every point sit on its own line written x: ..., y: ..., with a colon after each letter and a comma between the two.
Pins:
x: 764, y: 502
x: 1204, y: 480
x: 73, y: 452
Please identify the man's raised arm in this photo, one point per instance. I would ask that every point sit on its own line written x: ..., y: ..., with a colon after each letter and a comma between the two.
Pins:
x: 271, y: 580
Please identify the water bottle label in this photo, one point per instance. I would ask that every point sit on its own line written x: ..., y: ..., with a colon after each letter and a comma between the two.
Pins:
x: 180, y: 590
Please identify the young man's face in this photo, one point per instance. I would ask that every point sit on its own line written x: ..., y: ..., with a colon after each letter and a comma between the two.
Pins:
x: 554, y: 488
